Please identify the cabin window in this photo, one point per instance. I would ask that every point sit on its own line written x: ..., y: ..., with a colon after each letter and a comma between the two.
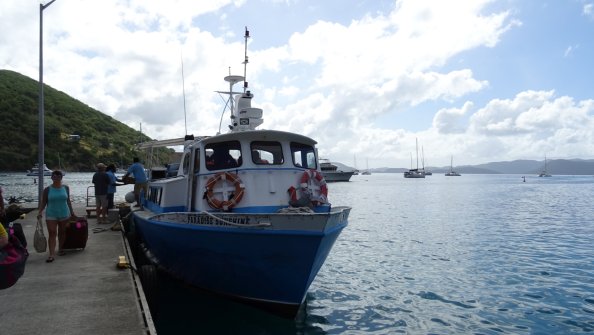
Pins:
x: 303, y: 155
x: 223, y: 155
x: 196, y: 160
x: 186, y: 166
x: 155, y: 194
x: 267, y: 152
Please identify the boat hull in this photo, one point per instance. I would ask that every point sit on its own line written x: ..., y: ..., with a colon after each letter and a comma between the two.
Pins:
x: 35, y: 173
x: 414, y: 174
x: 337, y: 176
x: 270, y: 263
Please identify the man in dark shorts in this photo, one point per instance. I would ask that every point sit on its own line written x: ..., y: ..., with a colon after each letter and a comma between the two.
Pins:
x: 101, y: 181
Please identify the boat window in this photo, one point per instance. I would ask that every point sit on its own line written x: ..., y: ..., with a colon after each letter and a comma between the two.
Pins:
x: 267, y: 152
x: 223, y: 155
x: 303, y: 155
x: 155, y: 194
x: 186, y: 166
x: 196, y: 160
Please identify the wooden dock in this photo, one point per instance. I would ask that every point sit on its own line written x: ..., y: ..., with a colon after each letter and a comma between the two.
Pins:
x: 82, y: 292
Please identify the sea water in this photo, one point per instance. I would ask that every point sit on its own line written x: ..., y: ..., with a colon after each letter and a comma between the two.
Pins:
x: 26, y: 188
x: 476, y: 254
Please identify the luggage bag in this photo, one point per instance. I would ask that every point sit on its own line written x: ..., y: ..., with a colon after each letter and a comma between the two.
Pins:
x: 77, y: 234
x: 12, y: 262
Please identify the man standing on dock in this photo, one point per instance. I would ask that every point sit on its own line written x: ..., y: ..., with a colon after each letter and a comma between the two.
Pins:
x: 140, y: 180
x: 101, y: 181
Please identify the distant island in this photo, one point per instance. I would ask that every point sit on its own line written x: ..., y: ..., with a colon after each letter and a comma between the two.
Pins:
x: 526, y: 167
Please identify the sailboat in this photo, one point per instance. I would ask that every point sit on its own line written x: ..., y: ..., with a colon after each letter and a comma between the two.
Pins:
x: 544, y: 172
x: 415, y: 173
x: 427, y: 172
x: 452, y: 173
x: 356, y: 172
x: 366, y: 172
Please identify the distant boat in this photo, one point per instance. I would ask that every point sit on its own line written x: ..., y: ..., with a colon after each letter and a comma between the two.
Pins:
x: 35, y: 170
x: 427, y: 172
x: 331, y: 172
x: 415, y: 173
x: 452, y: 173
x: 366, y: 172
x: 356, y: 172
x: 544, y: 172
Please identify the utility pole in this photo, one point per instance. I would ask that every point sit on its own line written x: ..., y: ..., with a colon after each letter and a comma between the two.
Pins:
x: 41, y: 144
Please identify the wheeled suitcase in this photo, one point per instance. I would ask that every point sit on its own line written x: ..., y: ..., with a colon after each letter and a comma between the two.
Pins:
x: 77, y: 234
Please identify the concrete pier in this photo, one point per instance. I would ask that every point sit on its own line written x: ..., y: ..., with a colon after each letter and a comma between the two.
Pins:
x: 82, y: 292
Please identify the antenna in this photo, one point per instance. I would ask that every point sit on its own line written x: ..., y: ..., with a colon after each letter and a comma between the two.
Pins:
x: 245, y: 62
x: 184, y: 93
x: 232, y: 80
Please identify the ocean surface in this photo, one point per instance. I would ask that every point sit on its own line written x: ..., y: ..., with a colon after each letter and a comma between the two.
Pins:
x: 476, y: 254
x: 26, y: 189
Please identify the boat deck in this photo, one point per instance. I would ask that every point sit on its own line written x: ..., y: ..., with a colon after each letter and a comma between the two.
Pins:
x: 82, y: 292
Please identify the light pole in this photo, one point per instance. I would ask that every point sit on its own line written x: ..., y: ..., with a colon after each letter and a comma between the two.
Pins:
x: 41, y: 144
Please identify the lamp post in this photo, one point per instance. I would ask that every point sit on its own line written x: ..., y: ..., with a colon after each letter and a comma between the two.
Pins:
x: 41, y: 144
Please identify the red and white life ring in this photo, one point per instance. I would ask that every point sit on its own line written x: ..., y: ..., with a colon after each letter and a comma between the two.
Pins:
x: 313, y: 180
x: 223, y: 204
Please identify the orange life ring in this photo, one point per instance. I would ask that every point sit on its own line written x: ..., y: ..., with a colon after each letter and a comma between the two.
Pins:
x: 318, y: 180
x: 224, y: 204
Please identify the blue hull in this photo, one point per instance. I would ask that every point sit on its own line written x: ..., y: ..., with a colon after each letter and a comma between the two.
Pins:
x: 261, y: 265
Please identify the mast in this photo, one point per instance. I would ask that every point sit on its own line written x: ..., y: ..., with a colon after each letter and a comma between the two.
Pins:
x: 423, y: 158
x: 245, y: 62
x: 451, y: 163
x: 417, y: 148
x: 184, y: 93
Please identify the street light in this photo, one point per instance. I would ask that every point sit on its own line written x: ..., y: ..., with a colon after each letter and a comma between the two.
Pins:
x: 41, y: 144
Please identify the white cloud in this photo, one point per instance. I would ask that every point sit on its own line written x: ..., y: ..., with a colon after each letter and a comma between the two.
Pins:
x: 451, y: 120
x: 588, y: 10
x: 333, y: 80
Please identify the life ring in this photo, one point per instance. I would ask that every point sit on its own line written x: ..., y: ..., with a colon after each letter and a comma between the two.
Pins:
x: 317, y: 180
x: 224, y: 204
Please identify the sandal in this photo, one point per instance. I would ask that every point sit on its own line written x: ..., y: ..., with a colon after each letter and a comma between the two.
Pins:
x: 61, y: 253
x: 49, y: 259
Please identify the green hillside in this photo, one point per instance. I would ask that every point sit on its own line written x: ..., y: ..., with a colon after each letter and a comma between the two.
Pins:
x: 102, y: 138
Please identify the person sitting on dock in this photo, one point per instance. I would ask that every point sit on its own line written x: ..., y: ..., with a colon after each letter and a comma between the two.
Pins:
x: 140, y: 180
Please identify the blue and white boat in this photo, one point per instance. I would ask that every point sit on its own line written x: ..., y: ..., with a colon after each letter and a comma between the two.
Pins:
x: 247, y: 215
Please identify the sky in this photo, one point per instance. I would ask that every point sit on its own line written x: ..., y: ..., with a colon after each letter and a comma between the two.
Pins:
x: 477, y: 80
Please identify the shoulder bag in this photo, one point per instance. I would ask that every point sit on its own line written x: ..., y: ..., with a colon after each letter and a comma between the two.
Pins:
x: 39, y: 241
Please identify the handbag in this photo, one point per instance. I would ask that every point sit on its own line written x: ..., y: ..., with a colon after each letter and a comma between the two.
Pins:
x: 39, y: 241
x: 12, y: 262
